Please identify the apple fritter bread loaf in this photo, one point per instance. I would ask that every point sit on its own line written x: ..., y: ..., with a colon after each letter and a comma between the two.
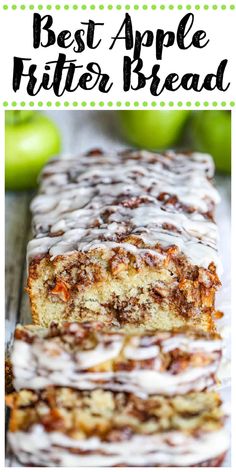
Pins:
x: 128, y: 239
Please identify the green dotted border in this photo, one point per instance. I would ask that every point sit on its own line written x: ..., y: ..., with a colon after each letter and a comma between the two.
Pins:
x: 118, y: 104
x: 119, y: 7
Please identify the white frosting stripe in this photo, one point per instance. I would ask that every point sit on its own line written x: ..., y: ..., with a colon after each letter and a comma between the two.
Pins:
x: 148, y: 382
x: 91, y: 204
x: 38, y: 447
x: 46, y: 362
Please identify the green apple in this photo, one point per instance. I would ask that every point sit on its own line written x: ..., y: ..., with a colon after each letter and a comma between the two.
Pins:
x: 31, y: 138
x: 153, y: 129
x: 211, y: 131
x: 12, y: 117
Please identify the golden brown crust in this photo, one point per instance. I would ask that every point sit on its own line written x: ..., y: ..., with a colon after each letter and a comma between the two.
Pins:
x: 76, y: 332
x: 8, y: 376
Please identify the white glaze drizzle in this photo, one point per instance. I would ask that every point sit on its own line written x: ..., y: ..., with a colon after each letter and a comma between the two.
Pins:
x: 81, y: 197
x: 45, y: 362
x: 174, y: 448
x: 140, y: 382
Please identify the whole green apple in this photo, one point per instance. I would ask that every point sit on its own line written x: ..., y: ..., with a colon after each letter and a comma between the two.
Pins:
x: 211, y: 131
x: 30, y: 140
x: 153, y: 129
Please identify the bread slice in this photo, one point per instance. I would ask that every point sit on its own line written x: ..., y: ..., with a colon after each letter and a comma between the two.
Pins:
x: 90, y: 355
x: 66, y: 427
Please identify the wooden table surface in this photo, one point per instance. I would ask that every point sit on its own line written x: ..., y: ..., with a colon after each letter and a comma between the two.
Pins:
x: 81, y: 131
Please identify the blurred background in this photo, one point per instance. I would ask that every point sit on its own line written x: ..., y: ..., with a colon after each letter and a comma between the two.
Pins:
x: 32, y: 137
